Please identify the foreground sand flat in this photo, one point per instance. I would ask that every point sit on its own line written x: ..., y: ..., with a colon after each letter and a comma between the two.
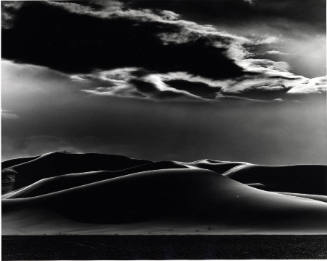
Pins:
x: 162, y: 247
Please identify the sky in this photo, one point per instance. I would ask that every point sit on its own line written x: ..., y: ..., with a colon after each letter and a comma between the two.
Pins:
x: 230, y: 80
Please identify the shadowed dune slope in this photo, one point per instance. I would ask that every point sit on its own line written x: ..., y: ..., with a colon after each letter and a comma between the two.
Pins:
x: 307, y: 179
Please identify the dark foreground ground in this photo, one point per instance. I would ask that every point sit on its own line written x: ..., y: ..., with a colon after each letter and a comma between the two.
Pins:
x: 164, y: 247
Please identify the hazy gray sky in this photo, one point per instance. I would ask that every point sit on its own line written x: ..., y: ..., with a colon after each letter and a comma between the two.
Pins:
x: 46, y: 110
x: 229, y: 80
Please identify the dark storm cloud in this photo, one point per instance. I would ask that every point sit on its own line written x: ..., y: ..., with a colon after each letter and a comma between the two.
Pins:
x: 80, y: 42
x: 124, y: 50
x: 299, y: 27
x: 236, y: 11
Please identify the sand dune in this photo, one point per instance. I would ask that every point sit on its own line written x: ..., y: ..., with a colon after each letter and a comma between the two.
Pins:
x: 59, y: 163
x: 129, y: 191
